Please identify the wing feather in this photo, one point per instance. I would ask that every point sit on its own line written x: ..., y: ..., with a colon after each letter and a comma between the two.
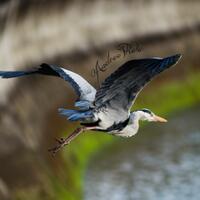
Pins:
x: 85, y: 91
x: 121, y: 88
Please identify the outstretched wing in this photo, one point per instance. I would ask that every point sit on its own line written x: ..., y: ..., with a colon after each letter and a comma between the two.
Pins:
x: 121, y: 88
x: 84, y: 90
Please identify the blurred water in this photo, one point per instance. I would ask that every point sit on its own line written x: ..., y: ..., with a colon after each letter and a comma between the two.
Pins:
x: 161, y: 163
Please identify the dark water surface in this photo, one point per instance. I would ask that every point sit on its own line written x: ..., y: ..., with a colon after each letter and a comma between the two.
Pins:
x: 162, y: 162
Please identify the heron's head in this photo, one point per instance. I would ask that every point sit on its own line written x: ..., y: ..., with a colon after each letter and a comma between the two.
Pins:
x: 147, y: 115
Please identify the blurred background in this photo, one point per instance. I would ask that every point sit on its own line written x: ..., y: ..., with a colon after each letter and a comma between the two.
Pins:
x: 161, y: 162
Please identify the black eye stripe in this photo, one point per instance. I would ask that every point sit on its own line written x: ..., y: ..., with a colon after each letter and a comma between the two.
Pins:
x: 147, y: 111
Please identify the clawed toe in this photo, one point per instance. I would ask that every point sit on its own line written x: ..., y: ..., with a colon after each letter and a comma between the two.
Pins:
x: 65, y: 141
x: 60, y: 141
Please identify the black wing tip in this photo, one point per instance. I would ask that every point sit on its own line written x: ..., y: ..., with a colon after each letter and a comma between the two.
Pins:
x: 174, y: 58
x: 12, y: 74
x: 177, y: 57
x: 168, y: 62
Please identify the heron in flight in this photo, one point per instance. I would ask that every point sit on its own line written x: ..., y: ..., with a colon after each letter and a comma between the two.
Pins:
x: 107, y: 109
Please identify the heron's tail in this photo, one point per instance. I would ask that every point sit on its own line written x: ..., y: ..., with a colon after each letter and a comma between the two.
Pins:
x: 76, y: 115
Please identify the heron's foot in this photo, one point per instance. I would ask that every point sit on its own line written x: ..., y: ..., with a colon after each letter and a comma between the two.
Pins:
x: 65, y: 141
x: 60, y: 144
x: 59, y: 141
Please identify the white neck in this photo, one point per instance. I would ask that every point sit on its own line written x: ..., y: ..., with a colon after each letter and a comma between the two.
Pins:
x: 135, y: 117
x: 133, y: 125
x: 138, y: 115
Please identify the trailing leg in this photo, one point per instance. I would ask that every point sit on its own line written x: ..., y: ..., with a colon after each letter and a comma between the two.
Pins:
x: 65, y: 141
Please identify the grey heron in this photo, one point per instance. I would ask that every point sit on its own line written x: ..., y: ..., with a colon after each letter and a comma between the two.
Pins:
x: 107, y: 109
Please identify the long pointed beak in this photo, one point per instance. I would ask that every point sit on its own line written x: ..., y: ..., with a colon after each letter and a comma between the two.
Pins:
x: 159, y: 119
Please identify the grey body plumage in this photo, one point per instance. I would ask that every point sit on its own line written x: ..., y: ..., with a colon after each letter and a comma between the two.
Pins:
x: 108, y: 108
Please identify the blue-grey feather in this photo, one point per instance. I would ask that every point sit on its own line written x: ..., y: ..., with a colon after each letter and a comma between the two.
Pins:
x: 66, y: 112
x: 83, y: 105
x: 76, y: 115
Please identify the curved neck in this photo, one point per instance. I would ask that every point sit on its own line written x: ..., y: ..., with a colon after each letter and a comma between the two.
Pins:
x: 134, y: 119
x: 136, y: 116
x: 132, y: 127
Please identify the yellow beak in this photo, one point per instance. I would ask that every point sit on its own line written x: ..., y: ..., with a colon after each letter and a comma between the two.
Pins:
x: 159, y: 119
